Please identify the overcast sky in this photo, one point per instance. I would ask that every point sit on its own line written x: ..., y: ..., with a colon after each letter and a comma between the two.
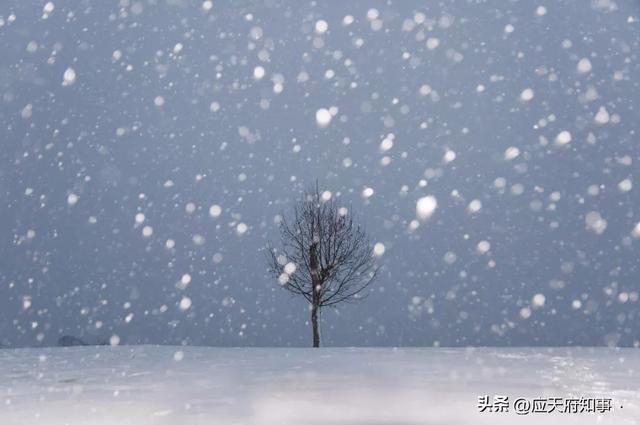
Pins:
x: 148, y: 143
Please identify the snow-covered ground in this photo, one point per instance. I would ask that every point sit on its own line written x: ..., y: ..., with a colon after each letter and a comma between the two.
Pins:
x: 263, y: 386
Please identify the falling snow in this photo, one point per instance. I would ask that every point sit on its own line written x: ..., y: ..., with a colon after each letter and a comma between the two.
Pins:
x: 151, y: 150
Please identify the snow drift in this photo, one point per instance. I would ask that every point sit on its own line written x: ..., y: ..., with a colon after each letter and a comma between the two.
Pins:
x: 373, y: 386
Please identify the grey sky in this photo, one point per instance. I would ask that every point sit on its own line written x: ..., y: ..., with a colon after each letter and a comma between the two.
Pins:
x: 164, y: 107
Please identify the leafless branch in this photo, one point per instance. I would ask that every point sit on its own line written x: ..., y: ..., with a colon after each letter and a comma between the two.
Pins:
x: 331, y: 253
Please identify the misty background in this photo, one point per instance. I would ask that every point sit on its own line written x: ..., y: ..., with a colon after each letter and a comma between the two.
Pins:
x: 148, y: 148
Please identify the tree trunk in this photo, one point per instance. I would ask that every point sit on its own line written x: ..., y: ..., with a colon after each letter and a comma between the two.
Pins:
x: 316, y: 284
x: 314, y: 326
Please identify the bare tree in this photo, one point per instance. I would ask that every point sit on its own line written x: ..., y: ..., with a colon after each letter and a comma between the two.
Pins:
x: 324, y: 257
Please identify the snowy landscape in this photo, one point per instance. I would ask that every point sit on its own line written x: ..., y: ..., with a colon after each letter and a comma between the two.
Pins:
x: 439, y: 197
x: 281, y: 386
